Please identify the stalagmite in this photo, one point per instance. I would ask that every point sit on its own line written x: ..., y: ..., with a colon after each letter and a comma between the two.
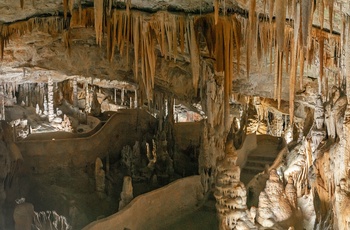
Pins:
x: 136, y: 100
x: 230, y: 193
x: 75, y: 92
x: 99, y: 177
x: 122, y: 96
x: 51, y: 111
x: 274, y: 205
x: 87, y: 98
x: 127, y: 193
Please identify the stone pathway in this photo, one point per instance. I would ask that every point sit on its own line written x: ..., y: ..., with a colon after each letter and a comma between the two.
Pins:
x: 263, y: 156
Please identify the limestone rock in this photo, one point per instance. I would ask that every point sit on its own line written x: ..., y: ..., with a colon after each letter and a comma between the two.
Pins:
x: 127, y: 192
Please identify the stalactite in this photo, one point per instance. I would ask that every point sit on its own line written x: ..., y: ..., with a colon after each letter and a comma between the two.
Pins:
x: 302, y: 63
x: 128, y: 29
x: 67, y: 40
x: 119, y: 23
x: 238, y: 38
x: 321, y: 6
x: 271, y: 6
x: 80, y: 10
x: 271, y: 30
x: 98, y: 11
x: 2, y: 47
x: 294, y: 62
x: 174, y: 37
x: 22, y: 3
x: 181, y: 33
x: 114, y: 24
x: 216, y: 11
x: 330, y: 14
x: 305, y: 15
x: 109, y: 37
x: 65, y: 8
x: 71, y: 5
x: 322, y: 89
x: 292, y: 78
x: 280, y: 23
x: 252, y: 20
x: 194, y: 54
x: 286, y: 48
x: 136, y: 37
x: 280, y: 63
x: 275, y: 92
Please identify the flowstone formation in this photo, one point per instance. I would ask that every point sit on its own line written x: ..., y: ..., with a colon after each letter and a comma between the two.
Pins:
x: 318, y: 133
x: 276, y: 203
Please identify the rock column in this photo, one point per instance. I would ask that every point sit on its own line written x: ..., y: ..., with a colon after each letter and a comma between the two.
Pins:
x: 51, y: 112
x: 75, y: 92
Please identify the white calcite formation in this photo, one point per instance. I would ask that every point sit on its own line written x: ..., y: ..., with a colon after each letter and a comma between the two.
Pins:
x: 231, y: 195
x: 274, y: 204
x: 51, y: 110
x: 50, y: 220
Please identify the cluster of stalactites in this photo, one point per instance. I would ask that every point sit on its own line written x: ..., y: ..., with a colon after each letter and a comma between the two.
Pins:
x: 52, y: 25
x: 289, y: 42
x: 295, y: 41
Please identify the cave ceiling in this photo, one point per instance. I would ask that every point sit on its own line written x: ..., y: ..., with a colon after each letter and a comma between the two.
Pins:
x: 42, y: 38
